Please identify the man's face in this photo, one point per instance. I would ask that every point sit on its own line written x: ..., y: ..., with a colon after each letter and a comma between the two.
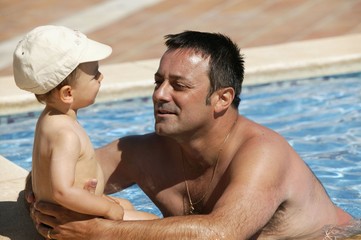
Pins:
x: 179, y: 97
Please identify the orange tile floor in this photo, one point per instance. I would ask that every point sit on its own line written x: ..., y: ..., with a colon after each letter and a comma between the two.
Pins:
x: 139, y: 34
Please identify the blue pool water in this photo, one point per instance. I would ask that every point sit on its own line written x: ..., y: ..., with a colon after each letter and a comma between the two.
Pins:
x: 321, y: 119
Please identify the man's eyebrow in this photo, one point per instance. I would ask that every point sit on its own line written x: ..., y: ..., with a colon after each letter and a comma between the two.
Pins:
x: 171, y: 77
x: 175, y: 77
x: 157, y: 74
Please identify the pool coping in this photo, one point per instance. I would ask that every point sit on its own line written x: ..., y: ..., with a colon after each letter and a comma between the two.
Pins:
x: 295, y: 60
x: 280, y: 62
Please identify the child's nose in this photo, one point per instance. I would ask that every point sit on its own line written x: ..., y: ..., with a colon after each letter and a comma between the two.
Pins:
x: 101, y: 77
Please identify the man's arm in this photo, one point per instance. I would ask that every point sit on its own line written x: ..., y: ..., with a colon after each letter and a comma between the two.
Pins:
x: 220, y: 224
x: 254, y: 192
x: 115, y: 172
x: 67, y: 227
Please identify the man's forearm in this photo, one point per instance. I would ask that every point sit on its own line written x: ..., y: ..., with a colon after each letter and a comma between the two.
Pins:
x: 193, y: 227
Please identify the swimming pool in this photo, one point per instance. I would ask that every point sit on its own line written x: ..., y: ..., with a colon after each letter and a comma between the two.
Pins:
x: 320, y: 117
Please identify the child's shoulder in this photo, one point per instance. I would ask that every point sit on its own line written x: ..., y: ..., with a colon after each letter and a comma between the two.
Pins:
x: 56, y: 122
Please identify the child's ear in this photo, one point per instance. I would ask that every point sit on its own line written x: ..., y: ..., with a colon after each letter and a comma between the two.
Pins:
x: 65, y: 94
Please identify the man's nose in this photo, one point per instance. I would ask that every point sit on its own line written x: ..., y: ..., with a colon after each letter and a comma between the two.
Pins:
x: 162, y: 92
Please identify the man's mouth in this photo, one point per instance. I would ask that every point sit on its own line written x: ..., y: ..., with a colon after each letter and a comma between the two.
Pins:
x: 163, y: 111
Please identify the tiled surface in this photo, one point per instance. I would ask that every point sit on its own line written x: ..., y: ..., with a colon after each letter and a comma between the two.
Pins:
x: 17, y: 16
x: 139, y: 36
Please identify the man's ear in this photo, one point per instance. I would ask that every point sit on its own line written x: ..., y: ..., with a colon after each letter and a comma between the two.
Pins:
x: 225, y: 99
x: 66, y: 95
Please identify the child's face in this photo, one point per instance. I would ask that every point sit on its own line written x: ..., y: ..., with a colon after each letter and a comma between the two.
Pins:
x: 87, y: 84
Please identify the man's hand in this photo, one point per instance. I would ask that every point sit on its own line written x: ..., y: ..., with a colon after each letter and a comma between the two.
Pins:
x: 51, y: 217
x: 60, y: 222
x: 28, y: 193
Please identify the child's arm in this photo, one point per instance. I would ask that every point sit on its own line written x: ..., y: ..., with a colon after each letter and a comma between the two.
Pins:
x: 65, y: 154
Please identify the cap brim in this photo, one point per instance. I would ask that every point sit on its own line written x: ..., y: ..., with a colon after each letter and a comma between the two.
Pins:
x: 95, y: 51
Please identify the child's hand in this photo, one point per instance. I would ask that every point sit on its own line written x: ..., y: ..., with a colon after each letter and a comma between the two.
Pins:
x: 116, y: 212
x: 126, y: 204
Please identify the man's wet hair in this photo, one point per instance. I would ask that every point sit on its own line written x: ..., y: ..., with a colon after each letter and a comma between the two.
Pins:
x: 226, y: 64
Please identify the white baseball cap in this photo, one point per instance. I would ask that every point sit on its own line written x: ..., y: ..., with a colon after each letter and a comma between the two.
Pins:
x: 48, y: 54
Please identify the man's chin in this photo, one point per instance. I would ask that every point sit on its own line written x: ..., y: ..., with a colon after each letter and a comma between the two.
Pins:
x: 157, y: 129
x: 161, y: 130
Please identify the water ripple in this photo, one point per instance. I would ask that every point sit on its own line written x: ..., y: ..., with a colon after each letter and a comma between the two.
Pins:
x: 320, y: 118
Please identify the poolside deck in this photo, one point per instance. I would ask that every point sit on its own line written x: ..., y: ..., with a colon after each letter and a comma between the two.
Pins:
x: 266, y: 31
x: 281, y: 40
x: 135, y: 29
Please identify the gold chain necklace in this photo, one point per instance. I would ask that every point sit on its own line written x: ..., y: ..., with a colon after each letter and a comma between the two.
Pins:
x: 191, y: 203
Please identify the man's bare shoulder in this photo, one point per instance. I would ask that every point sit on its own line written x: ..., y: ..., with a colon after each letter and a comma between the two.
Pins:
x: 131, y: 147
x: 150, y: 141
x: 256, y: 135
x: 266, y: 160
x: 150, y: 155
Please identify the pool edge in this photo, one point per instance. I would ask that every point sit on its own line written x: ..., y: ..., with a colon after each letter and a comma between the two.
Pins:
x: 320, y: 57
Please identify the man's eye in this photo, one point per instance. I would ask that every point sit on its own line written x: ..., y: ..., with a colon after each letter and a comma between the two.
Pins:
x: 180, y: 86
x: 157, y: 83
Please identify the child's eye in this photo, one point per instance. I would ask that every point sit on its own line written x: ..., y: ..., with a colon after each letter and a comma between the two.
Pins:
x: 96, y: 77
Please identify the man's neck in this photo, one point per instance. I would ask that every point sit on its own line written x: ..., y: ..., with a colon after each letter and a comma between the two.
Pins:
x: 203, y: 152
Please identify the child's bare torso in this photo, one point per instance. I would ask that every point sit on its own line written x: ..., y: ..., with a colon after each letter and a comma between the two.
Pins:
x: 47, y: 160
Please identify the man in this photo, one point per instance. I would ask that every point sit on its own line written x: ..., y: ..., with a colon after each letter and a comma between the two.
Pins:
x: 213, y: 173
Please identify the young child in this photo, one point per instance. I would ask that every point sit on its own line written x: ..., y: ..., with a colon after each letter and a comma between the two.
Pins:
x: 60, y: 66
